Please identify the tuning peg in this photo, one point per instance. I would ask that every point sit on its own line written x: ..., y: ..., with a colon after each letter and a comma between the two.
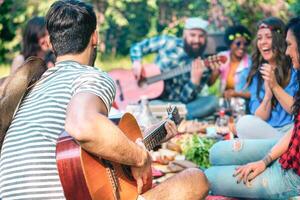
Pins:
x: 169, y: 108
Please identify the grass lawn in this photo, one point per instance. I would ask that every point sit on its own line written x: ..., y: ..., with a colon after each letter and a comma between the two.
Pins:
x: 106, y: 63
x: 109, y: 63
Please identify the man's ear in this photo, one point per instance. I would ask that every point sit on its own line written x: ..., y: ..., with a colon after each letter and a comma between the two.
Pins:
x: 49, y: 43
x: 95, y: 38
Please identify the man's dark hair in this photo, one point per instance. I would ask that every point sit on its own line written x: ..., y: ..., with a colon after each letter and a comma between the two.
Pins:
x: 70, y: 25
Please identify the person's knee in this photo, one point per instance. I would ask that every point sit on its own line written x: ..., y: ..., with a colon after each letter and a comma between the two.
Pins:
x: 212, y: 103
x: 197, y: 181
x: 244, y: 121
x: 244, y: 124
x: 209, y: 172
x: 216, y: 153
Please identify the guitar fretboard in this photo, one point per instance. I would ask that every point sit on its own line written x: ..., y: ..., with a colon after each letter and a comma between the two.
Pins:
x: 155, y: 137
x: 183, y: 69
x: 169, y: 74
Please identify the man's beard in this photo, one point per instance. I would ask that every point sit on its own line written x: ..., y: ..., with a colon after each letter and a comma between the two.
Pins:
x: 192, y: 52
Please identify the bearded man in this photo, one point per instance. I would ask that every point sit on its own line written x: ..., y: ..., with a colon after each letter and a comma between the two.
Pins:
x: 173, y: 52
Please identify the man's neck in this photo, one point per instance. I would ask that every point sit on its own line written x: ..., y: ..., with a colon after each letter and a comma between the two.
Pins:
x: 82, y: 59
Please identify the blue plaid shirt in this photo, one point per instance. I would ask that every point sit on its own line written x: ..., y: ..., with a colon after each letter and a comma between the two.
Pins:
x: 170, y: 55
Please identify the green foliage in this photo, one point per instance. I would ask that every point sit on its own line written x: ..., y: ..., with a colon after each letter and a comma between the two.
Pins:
x: 13, y: 18
x: 126, y: 23
x: 196, y: 149
x: 249, y: 12
x: 294, y: 7
x: 10, y: 19
x: 171, y: 21
x: 244, y: 14
x: 4, y: 70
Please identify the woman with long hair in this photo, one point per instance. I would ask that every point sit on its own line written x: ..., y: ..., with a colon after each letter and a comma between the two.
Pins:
x: 273, y: 169
x: 272, y: 85
x: 34, y: 42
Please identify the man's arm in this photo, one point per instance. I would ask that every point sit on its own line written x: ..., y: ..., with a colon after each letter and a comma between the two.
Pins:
x: 285, y: 100
x: 146, y: 46
x: 87, y: 122
x: 192, y: 88
x: 265, y: 108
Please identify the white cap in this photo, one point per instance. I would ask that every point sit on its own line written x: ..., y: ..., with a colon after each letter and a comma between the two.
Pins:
x: 196, y: 23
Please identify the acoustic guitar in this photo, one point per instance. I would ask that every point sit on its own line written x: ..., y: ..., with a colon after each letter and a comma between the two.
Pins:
x: 85, y: 176
x: 151, y: 84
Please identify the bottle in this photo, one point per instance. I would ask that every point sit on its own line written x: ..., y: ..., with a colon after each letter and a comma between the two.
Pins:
x: 225, y: 104
x: 222, y: 123
x: 239, y: 108
x: 145, y: 118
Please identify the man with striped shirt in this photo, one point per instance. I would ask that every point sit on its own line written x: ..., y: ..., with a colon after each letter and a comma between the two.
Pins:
x: 75, y: 97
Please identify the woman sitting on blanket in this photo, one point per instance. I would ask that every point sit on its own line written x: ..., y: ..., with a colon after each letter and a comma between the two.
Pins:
x: 273, y: 169
x: 272, y: 84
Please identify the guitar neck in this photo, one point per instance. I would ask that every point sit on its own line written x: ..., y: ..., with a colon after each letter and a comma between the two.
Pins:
x: 173, y: 73
x: 155, y: 137
x: 167, y: 75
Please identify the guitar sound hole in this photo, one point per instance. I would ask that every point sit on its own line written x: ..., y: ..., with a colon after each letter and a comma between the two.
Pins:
x: 142, y: 82
x: 127, y: 172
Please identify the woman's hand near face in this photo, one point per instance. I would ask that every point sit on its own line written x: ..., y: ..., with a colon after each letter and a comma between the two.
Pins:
x: 268, y: 90
x: 274, y: 89
x: 268, y: 73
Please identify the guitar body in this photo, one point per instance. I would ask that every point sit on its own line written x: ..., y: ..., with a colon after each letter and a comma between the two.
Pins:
x: 129, y: 91
x: 84, y: 176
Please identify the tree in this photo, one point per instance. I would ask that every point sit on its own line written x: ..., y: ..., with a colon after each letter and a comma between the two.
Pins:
x: 125, y: 23
x: 10, y: 19
x: 294, y: 6
x: 249, y: 12
x: 13, y: 18
x: 172, y: 14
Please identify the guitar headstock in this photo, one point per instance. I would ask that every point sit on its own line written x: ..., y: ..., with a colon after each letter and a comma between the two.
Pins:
x: 173, y: 114
x: 221, y: 59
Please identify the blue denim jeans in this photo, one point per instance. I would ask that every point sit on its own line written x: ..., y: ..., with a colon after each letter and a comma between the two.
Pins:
x: 273, y: 183
x: 252, y: 127
x: 201, y: 107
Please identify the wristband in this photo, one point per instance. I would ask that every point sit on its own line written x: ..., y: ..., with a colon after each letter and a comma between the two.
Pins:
x: 267, y: 160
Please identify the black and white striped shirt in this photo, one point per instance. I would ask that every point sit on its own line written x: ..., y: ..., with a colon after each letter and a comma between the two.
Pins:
x: 27, y: 165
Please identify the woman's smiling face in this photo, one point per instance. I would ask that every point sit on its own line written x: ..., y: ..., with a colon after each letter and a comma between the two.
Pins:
x: 292, y: 49
x: 264, y: 43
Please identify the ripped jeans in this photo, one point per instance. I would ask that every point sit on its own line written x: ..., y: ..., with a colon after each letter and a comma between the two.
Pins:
x: 273, y: 183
